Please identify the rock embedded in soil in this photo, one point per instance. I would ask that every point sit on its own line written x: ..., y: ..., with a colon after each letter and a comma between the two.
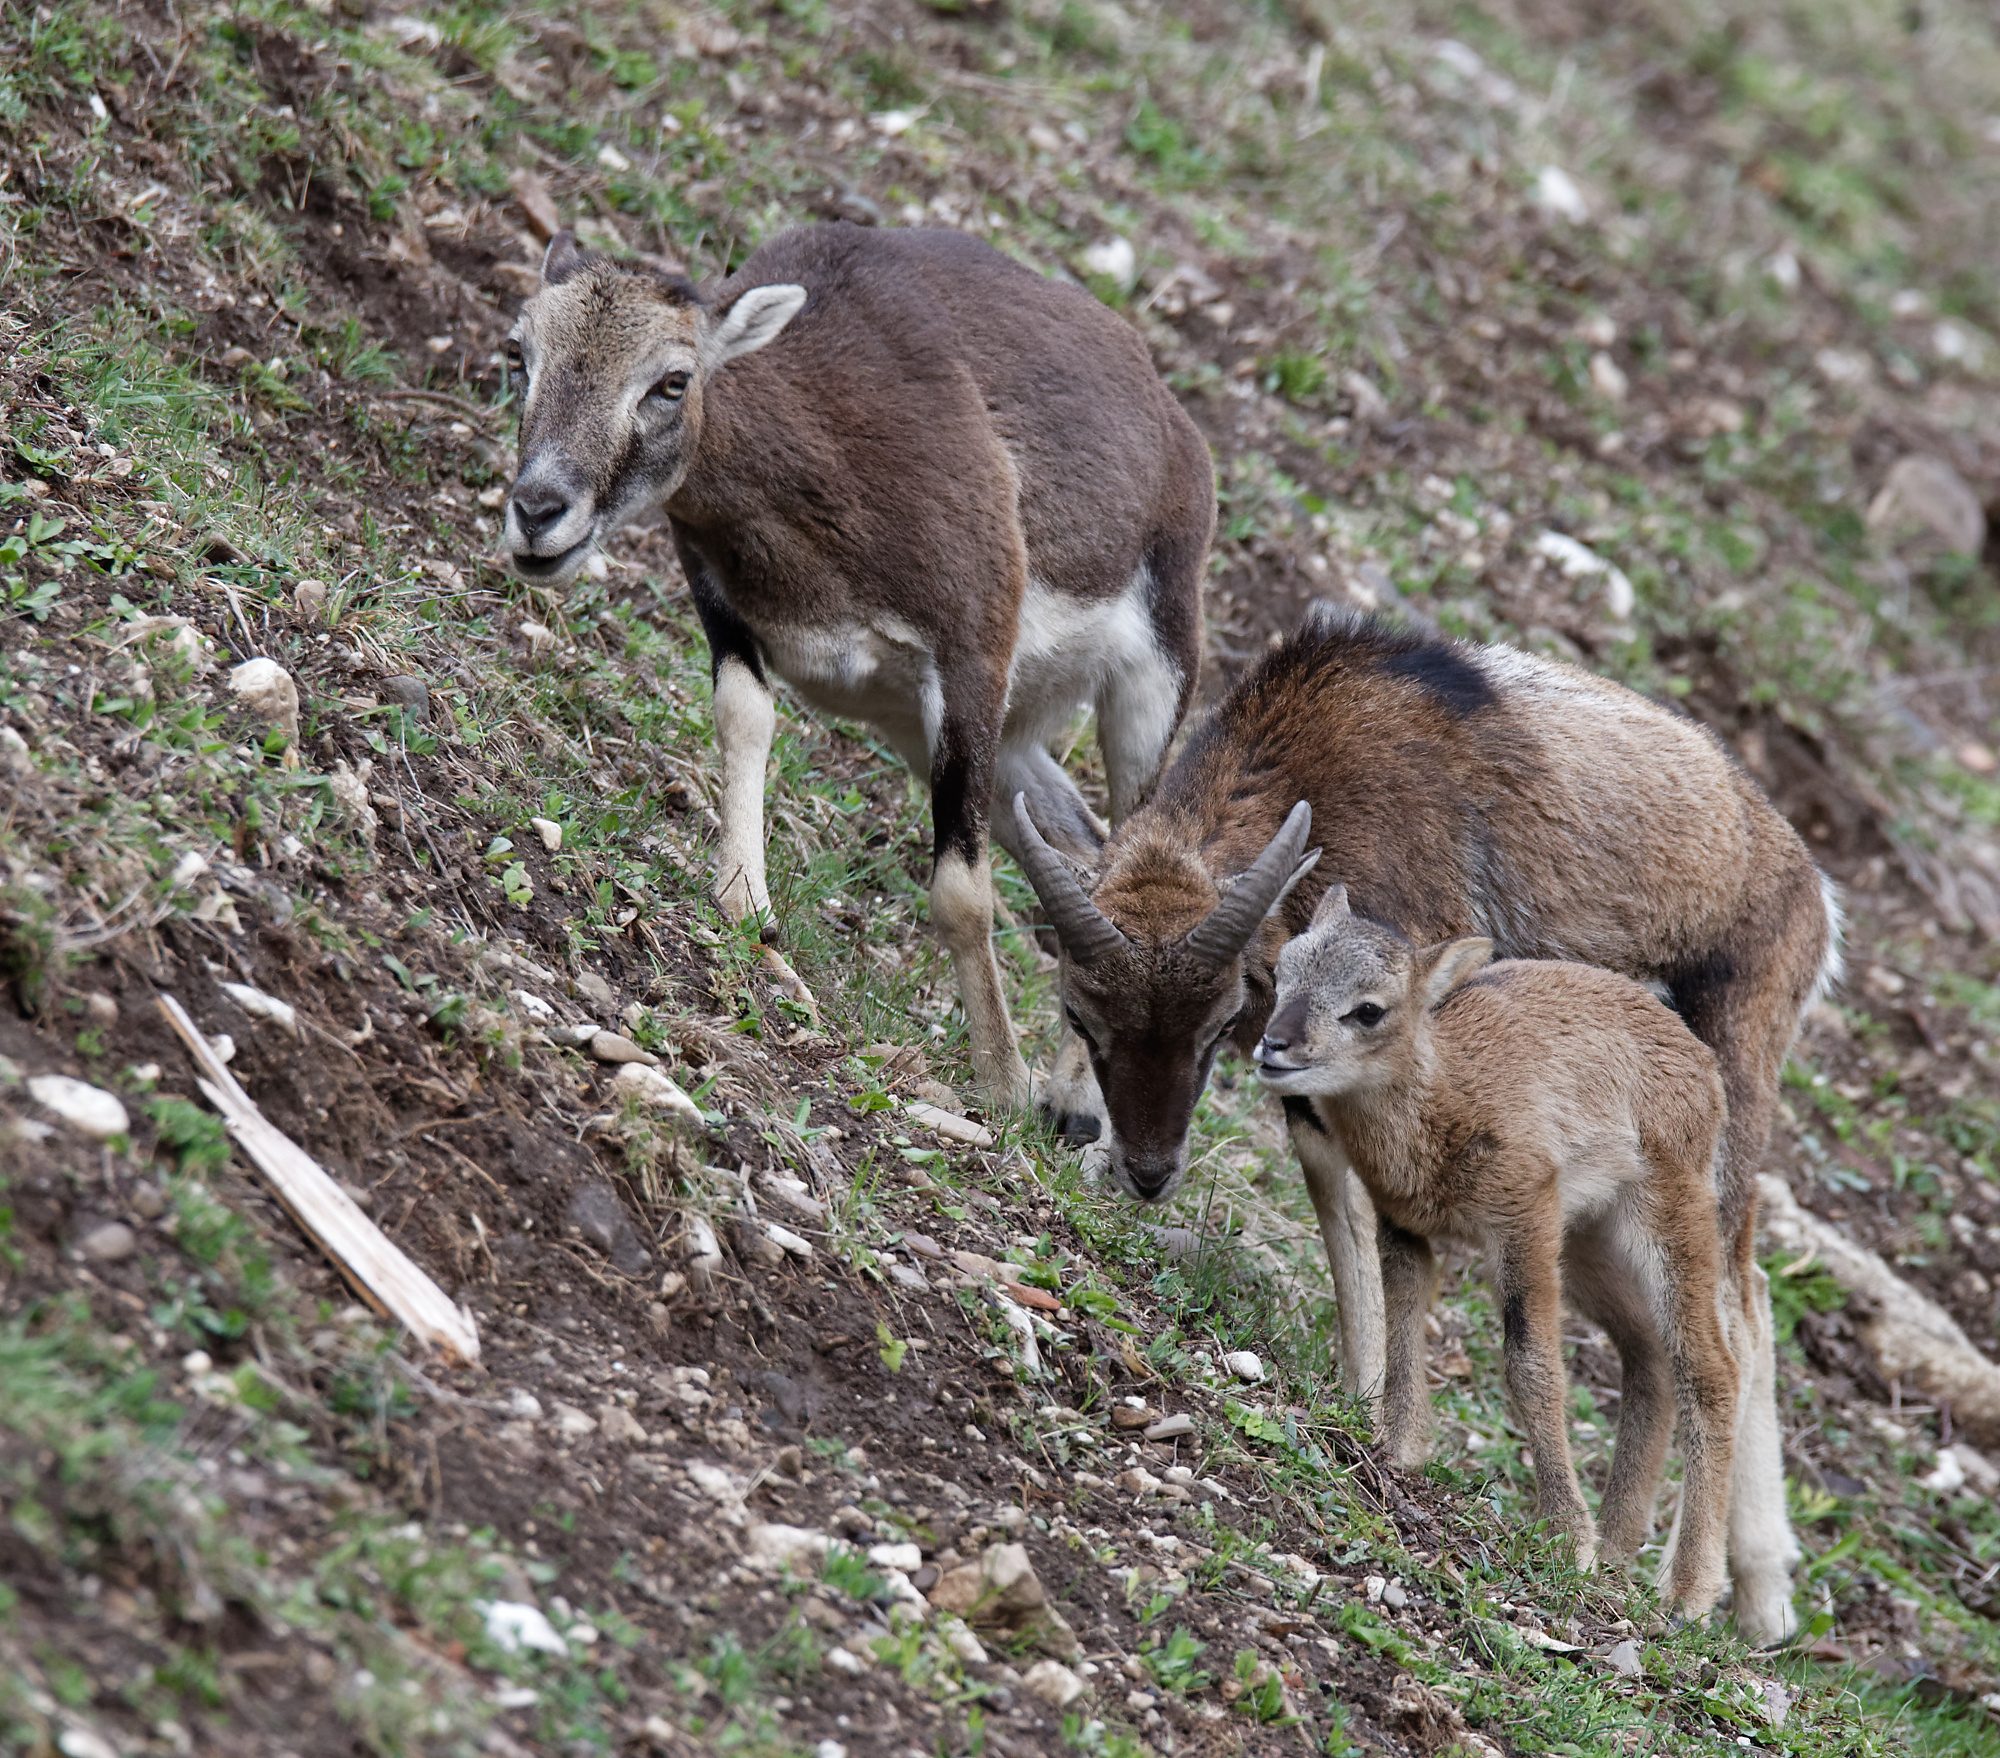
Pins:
x: 411, y: 694
x: 86, y: 1109
x: 949, y: 1125
x: 1244, y: 1365
x: 596, y: 1212
x: 1169, y: 1427
x: 1054, y: 1683
x: 110, y: 1243
x: 611, y: 1047
x: 618, y: 1424
x: 1624, y: 1659
x: 656, y: 1091
x: 265, y: 688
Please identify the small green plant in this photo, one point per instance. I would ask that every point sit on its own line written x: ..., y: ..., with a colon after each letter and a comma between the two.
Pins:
x: 1263, y: 1694
x: 1172, y: 1662
x: 1797, y: 1289
x: 847, y: 1571
x: 893, y: 1348
x: 197, y: 1137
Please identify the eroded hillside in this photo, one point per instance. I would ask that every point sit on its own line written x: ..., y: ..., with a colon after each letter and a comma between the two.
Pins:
x: 1665, y: 341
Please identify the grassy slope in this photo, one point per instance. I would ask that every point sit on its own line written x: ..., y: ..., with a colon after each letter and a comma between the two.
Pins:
x: 252, y: 236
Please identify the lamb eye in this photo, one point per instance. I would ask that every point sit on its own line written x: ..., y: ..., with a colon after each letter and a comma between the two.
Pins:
x: 1077, y: 1026
x: 1367, y: 1014
x: 517, y: 363
x: 672, y: 386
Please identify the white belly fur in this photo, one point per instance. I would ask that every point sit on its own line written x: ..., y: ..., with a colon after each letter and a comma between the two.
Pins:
x: 1066, y: 653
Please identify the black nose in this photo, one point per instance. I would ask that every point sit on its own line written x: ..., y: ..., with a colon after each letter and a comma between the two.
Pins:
x: 538, y: 510
x: 1272, y: 1044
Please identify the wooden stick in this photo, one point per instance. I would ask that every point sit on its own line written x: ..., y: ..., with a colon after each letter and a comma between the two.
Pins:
x: 366, y: 1255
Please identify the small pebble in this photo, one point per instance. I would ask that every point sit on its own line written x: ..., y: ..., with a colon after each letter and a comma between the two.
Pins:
x: 410, y: 694
x: 1169, y: 1426
x: 87, y: 1109
x: 102, y: 1009
x: 148, y: 1202
x: 1244, y: 1365
x: 610, y: 1047
x: 108, y: 1244
x: 549, y: 831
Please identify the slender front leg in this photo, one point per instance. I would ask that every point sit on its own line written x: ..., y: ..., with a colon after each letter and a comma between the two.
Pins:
x: 1706, y: 1386
x: 1531, y: 1330
x: 745, y: 720
x: 1347, y: 1230
x: 1409, y: 1280
x: 961, y: 714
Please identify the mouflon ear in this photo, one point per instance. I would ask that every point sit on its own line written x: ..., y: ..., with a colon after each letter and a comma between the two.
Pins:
x: 1332, y: 907
x: 1441, y: 968
x: 564, y: 258
x: 753, y: 321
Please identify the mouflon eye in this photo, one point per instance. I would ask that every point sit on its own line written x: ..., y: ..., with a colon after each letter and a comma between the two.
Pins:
x: 672, y: 386
x: 1367, y: 1014
x: 1077, y: 1026
x: 517, y: 362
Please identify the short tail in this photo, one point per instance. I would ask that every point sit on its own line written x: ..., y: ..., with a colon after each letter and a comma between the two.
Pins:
x: 1833, y: 963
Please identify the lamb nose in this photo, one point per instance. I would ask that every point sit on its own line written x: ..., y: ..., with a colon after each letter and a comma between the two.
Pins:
x: 1269, y: 1046
x: 538, y: 513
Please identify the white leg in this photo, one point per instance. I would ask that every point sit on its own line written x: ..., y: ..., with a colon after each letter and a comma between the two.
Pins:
x: 962, y: 913
x: 1347, y: 1229
x: 1762, y: 1549
x: 745, y: 720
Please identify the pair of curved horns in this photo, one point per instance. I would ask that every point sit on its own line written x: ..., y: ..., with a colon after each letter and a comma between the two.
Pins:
x: 1088, y: 934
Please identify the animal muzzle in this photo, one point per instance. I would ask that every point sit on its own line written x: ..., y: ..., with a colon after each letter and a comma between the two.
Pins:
x: 551, y: 523
x: 1148, y: 1174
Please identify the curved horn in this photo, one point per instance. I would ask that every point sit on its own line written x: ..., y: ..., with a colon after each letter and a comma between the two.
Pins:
x: 1253, y: 894
x: 1086, y: 933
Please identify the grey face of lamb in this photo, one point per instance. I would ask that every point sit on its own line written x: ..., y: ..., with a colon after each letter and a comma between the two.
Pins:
x: 611, y: 363
x: 1343, y: 1003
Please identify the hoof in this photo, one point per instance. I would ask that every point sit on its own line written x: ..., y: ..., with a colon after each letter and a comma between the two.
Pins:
x: 1078, y: 1127
x: 789, y: 984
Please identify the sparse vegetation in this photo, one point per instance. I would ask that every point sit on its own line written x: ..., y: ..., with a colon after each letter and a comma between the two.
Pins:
x: 1435, y: 283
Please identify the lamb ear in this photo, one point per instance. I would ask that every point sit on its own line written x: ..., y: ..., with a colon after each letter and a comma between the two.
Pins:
x: 752, y: 322
x: 1333, y: 906
x: 1441, y: 968
x: 563, y: 258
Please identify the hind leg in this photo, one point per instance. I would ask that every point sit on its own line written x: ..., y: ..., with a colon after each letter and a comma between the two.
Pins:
x: 1762, y: 1550
x: 1599, y: 1285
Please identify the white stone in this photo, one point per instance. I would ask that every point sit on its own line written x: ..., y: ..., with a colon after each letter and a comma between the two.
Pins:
x: 961, y: 1641
x: 896, y: 1556
x: 791, y: 1242
x: 532, y: 1005
x: 86, y: 1109
x: 82, y: 1742
x: 1115, y: 259
x: 267, y: 690
x: 258, y: 1005
x: 1244, y: 1365
x: 512, y: 1626
x: 775, y: 1546
x: 843, y: 1662
x: 1608, y: 378
x: 1579, y: 562
x: 1054, y: 1683
x: 523, y: 1403
x: 1624, y: 1658
x: 549, y: 831
x: 1169, y: 1426
x: 949, y: 1124
x: 653, y: 1089
x: 1557, y: 193
x: 1947, y: 1478
x: 572, y: 1423
x: 829, y: 1749
x: 611, y: 1047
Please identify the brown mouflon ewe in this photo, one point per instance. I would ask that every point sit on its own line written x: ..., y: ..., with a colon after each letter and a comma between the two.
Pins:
x: 1560, y: 1119
x: 1457, y: 790
x: 933, y: 491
